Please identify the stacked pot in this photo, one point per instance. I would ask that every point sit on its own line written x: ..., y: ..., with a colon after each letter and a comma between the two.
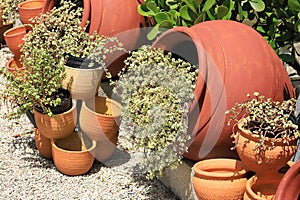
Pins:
x: 14, y: 36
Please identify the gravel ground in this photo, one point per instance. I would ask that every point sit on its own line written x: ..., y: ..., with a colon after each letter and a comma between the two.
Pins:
x: 24, y: 174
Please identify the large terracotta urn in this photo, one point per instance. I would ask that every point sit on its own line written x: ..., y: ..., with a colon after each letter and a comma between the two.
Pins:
x: 233, y: 60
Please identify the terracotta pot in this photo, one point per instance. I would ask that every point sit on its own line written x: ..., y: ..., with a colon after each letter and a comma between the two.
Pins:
x: 13, y: 68
x: 82, y: 83
x: 14, y: 38
x: 99, y: 118
x: 30, y: 9
x: 59, y: 126
x: 224, y: 50
x: 106, y: 147
x: 289, y: 186
x: 274, y: 157
x: 43, y: 144
x: 49, y: 4
x: 73, y: 155
x: 260, y: 190
x: 219, y: 179
x: 105, y: 18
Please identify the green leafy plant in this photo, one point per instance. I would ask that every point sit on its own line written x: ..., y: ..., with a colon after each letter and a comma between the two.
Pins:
x: 278, y: 21
x: 156, y: 89
x: 10, y: 11
x: 266, y: 119
x: 55, y: 37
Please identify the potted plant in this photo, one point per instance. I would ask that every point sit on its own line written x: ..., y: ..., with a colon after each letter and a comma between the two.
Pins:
x: 267, y: 134
x: 84, y: 54
x: 44, y: 59
x: 156, y: 89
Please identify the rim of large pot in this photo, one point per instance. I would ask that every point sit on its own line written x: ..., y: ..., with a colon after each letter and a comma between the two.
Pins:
x: 116, y: 107
x: 208, y: 168
x: 92, y: 147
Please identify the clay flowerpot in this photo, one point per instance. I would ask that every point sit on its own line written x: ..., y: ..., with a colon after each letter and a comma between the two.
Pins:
x: 99, y: 118
x: 289, y: 186
x: 14, y: 39
x: 219, y: 179
x: 59, y: 126
x: 258, y: 189
x: 30, y: 9
x: 43, y: 144
x: 82, y: 83
x: 224, y: 78
x: 73, y: 155
x: 268, y: 162
x: 13, y: 68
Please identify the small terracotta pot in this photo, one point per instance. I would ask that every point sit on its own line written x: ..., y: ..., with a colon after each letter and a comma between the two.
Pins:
x: 261, y: 189
x: 274, y: 157
x: 59, y: 126
x: 219, y: 179
x: 82, y: 83
x: 43, y: 144
x: 73, y: 155
x: 99, y: 118
x: 105, y: 148
x: 14, y: 38
x: 13, y: 68
x: 30, y: 9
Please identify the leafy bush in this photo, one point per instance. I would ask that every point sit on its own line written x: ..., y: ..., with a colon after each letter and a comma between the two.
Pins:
x: 156, y: 90
x: 278, y: 21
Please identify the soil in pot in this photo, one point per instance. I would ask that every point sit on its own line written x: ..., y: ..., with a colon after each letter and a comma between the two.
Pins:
x: 66, y: 104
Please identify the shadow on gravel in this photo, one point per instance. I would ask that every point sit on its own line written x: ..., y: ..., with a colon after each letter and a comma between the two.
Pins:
x: 25, y: 147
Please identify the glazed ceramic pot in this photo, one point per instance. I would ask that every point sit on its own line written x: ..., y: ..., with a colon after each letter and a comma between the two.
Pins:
x: 14, y: 38
x: 43, y: 144
x: 73, y: 155
x: 59, y: 126
x: 99, y: 119
x: 225, y: 52
x: 268, y: 163
x: 82, y: 83
x: 30, y: 9
x: 219, y: 179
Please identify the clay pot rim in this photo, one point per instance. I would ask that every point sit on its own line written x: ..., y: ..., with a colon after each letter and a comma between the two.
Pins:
x: 111, y: 101
x: 237, y: 170
x: 23, y: 4
x: 93, y: 146
x: 9, y: 62
x: 12, y: 32
x: 247, y: 134
x: 83, y: 69
x: 64, y: 113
